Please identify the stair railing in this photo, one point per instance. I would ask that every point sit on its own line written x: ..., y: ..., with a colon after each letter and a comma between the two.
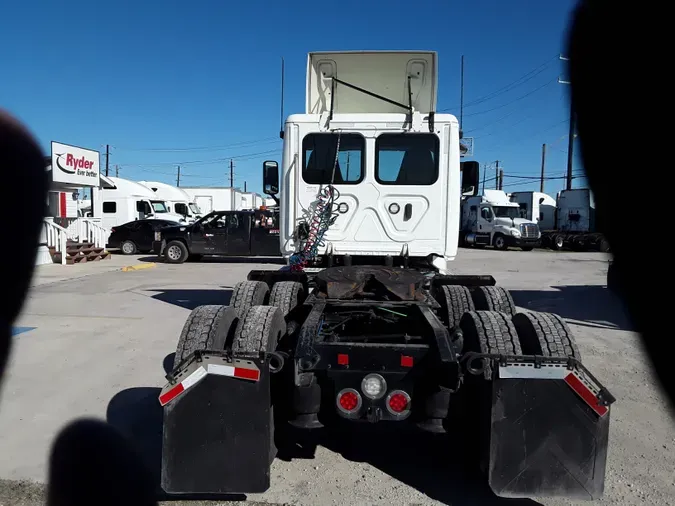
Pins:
x: 90, y: 231
x: 57, y: 238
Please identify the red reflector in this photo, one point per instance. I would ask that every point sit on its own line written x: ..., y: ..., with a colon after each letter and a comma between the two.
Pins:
x: 343, y: 359
x: 583, y: 392
x: 349, y: 401
x: 406, y: 361
x: 251, y: 374
x: 171, y: 394
x: 398, y: 403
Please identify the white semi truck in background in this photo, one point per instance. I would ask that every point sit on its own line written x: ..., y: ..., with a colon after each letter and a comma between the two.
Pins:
x: 177, y: 200
x: 491, y: 219
x: 568, y: 222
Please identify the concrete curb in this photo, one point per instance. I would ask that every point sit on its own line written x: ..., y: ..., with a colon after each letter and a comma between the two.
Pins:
x: 138, y: 267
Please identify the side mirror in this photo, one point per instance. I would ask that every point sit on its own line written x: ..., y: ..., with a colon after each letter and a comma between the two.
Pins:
x: 270, y: 178
x: 470, y: 178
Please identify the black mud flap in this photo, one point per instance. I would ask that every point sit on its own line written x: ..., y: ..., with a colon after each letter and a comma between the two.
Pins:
x: 549, y: 431
x: 216, y: 436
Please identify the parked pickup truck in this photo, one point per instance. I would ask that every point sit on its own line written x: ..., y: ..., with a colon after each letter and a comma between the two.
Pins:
x: 221, y: 233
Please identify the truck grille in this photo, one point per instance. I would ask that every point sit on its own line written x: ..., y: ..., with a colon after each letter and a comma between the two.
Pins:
x: 529, y: 231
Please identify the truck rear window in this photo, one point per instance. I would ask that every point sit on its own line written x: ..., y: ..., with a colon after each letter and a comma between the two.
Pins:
x: 319, y: 158
x: 406, y: 159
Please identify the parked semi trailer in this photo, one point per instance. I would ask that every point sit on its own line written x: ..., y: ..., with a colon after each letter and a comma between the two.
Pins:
x: 365, y: 323
x: 573, y: 222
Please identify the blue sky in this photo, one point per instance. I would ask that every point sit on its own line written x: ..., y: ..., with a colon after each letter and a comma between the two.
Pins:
x: 168, y: 82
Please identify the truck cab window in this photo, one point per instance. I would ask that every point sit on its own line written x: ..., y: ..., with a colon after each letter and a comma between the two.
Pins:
x: 506, y: 211
x: 486, y: 213
x: 159, y: 206
x: 406, y: 159
x: 318, y: 159
x: 181, y: 208
x: 142, y: 206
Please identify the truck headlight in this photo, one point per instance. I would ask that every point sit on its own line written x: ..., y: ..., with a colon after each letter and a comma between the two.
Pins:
x: 515, y: 233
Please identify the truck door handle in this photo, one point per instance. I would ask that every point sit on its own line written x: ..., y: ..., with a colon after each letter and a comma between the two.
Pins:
x: 407, y: 212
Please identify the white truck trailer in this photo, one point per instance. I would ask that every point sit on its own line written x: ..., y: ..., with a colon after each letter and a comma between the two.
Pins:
x: 569, y: 221
x: 492, y: 219
x: 370, y: 184
x: 214, y: 198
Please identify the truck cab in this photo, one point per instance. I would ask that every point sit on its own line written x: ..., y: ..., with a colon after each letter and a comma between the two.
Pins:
x: 370, y: 149
x: 492, y: 219
x: 176, y: 199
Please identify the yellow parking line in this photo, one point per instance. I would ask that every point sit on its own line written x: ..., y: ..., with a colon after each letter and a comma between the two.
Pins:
x: 138, y: 267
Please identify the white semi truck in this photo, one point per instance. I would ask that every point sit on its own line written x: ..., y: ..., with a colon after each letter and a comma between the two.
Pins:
x: 491, y: 219
x: 366, y: 324
x: 568, y: 222
x: 177, y: 200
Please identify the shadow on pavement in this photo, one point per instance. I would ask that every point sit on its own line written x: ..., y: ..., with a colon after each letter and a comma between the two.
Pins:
x: 190, y: 299
x: 423, y: 461
x: 223, y: 260
x: 588, y: 305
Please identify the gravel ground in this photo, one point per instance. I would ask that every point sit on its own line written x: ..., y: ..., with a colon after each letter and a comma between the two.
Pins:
x: 376, y: 466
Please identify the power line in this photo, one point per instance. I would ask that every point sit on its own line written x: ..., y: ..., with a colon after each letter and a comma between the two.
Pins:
x: 505, y: 89
x: 515, y: 100
x: 204, y: 148
x: 207, y: 161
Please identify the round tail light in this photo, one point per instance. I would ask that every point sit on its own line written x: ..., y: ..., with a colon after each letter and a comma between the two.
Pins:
x: 373, y: 386
x: 398, y: 403
x: 349, y: 401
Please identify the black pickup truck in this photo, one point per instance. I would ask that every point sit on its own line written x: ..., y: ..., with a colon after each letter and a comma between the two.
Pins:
x: 221, y: 233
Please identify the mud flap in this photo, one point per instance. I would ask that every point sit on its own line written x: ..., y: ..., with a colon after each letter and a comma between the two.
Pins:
x: 549, y: 432
x: 216, y: 436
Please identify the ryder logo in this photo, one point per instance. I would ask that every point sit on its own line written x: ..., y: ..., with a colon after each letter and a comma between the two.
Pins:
x: 69, y: 164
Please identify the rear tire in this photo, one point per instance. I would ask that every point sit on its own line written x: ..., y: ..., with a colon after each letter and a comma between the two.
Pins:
x: 545, y: 334
x: 128, y: 247
x: 484, y: 332
x: 259, y: 330
x: 287, y: 295
x: 206, y: 328
x: 455, y: 300
x: 247, y: 294
x: 493, y: 298
x: 557, y: 242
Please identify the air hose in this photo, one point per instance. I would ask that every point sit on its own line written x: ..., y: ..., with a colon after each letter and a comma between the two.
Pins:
x: 323, y: 216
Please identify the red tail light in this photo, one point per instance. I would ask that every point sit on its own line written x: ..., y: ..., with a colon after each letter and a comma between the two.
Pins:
x: 349, y: 401
x: 398, y: 403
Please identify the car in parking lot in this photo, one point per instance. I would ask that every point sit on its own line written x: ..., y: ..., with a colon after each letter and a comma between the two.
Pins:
x: 221, y: 233
x: 136, y: 236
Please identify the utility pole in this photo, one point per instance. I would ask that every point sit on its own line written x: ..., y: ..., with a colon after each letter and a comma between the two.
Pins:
x: 497, y: 175
x: 461, y: 95
x: 117, y: 170
x: 231, y: 173
x: 178, y: 177
x: 501, y: 179
x: 244, y: 186
x: 543, y: 167
x: 484, y: 171
x: 570, y: 144
x: 107, y: 158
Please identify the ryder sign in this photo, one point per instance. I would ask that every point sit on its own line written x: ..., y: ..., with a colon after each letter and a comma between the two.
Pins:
x: 73, y: 165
